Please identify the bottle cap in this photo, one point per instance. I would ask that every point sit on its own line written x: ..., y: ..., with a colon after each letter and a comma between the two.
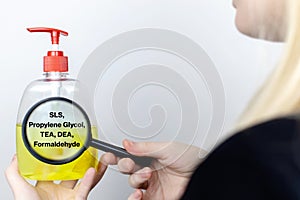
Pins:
x: 55, y: 61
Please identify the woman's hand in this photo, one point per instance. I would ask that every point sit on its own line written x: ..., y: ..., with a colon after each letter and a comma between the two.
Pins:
x: 168, y: 175
x: 45, y: 190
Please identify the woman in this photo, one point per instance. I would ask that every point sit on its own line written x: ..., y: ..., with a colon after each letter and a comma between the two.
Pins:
x: 259, y: 162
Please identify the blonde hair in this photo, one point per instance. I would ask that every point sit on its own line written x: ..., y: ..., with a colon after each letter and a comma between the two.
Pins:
x: 280, y: 94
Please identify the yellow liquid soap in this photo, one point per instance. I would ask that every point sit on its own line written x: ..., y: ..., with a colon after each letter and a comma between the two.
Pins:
x: 34, y: 169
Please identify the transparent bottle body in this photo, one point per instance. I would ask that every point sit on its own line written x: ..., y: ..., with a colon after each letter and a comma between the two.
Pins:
x: 55, y: 84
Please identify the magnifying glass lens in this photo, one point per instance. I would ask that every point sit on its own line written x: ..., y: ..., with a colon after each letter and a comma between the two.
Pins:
x: 56, y: 131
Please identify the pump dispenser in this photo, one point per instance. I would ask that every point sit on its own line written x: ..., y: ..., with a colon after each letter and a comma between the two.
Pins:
x: 52, y: 121
x: 55, y: 61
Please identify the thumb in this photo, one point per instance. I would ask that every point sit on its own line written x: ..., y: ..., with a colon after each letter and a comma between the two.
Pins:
x: 156, y: 150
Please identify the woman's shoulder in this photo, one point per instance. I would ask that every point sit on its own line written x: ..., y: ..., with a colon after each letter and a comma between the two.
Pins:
x: 278, y: 137
x: 282, y: 130
x: 269, y: 137
x: 260, y: 162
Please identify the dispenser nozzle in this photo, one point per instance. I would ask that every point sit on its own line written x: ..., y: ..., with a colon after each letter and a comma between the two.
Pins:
x: 55, y: 33
x: 55, y: 61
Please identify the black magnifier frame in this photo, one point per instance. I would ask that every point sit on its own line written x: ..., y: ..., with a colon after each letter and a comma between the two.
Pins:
x: 90, y: 141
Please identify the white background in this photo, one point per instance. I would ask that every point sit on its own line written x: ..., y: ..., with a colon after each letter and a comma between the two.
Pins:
x: 242, y: 62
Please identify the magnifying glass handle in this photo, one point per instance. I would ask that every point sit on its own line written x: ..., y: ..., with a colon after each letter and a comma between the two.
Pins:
x: 121, y: 152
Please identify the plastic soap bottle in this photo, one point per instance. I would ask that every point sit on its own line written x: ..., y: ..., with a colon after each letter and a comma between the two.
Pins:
x: 54, y: 122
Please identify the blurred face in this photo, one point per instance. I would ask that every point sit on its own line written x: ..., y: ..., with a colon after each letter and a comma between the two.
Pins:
x: 264, y: 19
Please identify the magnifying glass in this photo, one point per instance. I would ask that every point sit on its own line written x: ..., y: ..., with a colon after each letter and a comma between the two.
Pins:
x: 57, y: 131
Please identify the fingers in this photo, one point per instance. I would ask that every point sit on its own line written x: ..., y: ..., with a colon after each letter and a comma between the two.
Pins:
x: 109, y: 159
x: 15, y: 180
x: 150, y: 149
x: 137, y: 195
x: 140, y: 178
x: 127, y: 166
